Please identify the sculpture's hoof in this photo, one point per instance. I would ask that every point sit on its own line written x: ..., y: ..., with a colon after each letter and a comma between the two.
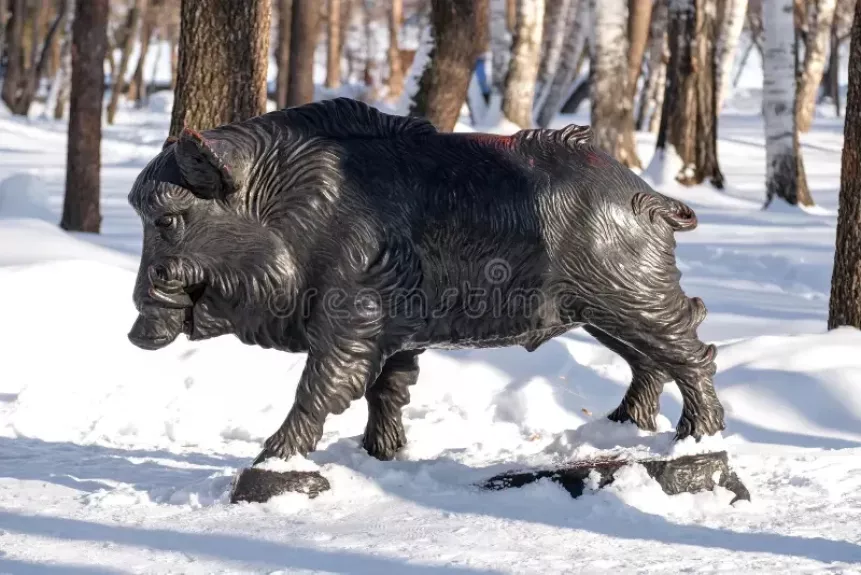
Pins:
x: 686, y: 474
x: 260, y: 485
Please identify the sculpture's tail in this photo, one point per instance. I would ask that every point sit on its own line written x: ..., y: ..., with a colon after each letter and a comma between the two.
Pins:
x: 678, y: 215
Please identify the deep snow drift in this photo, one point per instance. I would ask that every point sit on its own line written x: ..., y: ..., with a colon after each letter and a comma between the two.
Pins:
x: 117, y: 460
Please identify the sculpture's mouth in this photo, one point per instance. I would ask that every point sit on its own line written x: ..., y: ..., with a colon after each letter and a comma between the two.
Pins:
x: 170, y: 314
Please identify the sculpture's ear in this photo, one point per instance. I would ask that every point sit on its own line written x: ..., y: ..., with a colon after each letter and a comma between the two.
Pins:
x: 203, y: 171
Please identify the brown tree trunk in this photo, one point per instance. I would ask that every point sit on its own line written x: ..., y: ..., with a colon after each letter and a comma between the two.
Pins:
x: 129, y: 37
x: 14, y: 55
x: 689, y: 115
x: 845, y: 304
x: 333, y: 52
x: 282, y: 51
x: 83, y: 160
x: 4, y: 12
x: 639, y: 18
x: 25, y: 83
x: 223, y: 60
x: 459, y: 28
x: 137, y: 87
x: 396, y: 72
x: 303, y: 45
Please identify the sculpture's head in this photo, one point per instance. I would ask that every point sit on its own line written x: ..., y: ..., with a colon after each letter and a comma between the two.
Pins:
x: 209, y: 260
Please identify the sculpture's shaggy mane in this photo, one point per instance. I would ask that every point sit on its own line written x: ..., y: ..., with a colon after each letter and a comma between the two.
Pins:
x: 344, y: 118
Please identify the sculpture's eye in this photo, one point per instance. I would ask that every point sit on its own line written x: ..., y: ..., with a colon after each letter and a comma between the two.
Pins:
x: 166, y: 222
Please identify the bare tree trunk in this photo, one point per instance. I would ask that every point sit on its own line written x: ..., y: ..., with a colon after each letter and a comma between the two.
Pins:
x: 333, y: 55
x: 137, y: 87
x: 523, y: 67
x: 612, y: 116
x: 28, y: 80
x: 303, y: 45
x: 119, y: 80
x: 173, y: 48
x: 282, y: 53
x: 577, y: 23
x: 785, y: 170
x: 639, y: 18
x: 81, y: 210
x: 58, y: 95
x: 4, y: 14
x: 456, y: 37
x: 688, y: 126
x: 731, y: 25
x: 396, y: 71
x: 12, y: 81
x: 845, y: 303
x: 553, y: 40
x: 500, y: 47
x: 820, y: 16
x: 653, y: 90
x: 223, y: 60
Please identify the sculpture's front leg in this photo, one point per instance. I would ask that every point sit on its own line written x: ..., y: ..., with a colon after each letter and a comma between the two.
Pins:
x: 330, y: 381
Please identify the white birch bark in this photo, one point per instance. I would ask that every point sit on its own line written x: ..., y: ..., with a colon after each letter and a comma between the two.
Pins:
x: 523, y: 68
x: 778, y: 100
x: 609, y: 71
x: 659, y: 55
x: 727, y: 45
x: 577, y: 24
x: 820, y: 17
x: 59, y: 90
x: 555, y: 28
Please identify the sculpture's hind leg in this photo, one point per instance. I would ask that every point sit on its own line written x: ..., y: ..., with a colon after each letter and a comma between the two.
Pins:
x: 664, y: 330
x: 384, y: 434
x: 641, y: 402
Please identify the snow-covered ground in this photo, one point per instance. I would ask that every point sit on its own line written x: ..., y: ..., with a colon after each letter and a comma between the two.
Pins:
x: 117, y: 460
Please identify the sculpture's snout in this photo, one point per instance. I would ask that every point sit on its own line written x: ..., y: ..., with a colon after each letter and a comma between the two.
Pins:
x: 156, y: 328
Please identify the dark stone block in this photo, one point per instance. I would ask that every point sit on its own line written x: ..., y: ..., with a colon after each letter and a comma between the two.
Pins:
x: 260, y: 485
x: 686, y: 474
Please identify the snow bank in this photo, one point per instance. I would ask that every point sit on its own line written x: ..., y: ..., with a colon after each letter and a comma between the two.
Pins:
x: 23, y: 195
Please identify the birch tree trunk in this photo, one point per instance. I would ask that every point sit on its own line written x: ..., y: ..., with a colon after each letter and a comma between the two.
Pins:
x: 688, y: 126
x: 523, y: 66
x: 119, y: 80
x: 282, y: 51
x: 453, y: 42
x: 223, y: 60
x: 845, y: 303
x: 333, y: 51
x: 612, y: 117
x: 653, y: 89
x: 81, y: 205
x: 785, y: 170
x: 820, y: 16
x: 396, y: 71
x: 731, y: 25
x: 553, y: 39
x: 577, y: 23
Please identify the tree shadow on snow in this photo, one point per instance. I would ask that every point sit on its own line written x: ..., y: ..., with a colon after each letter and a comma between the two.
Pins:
x: 263, y: 554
